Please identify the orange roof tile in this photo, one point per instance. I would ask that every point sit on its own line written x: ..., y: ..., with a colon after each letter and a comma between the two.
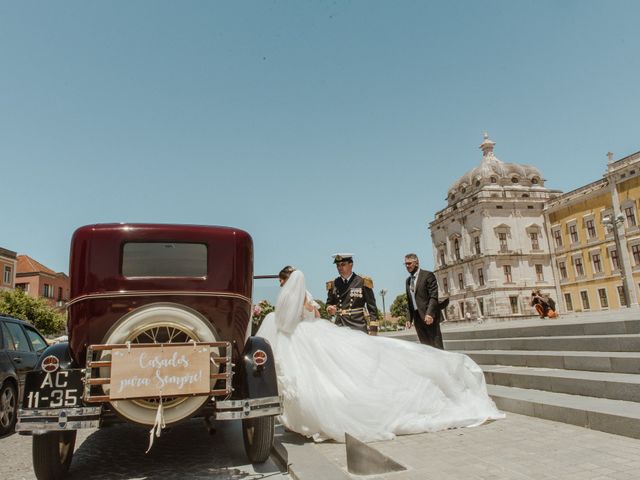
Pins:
x: 26, y: 264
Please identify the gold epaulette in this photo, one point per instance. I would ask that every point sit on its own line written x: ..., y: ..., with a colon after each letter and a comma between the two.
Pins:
x: 367, y: 282
x: 330, y: 285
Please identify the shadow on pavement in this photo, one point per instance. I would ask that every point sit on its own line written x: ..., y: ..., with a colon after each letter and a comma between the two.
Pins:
x: 184, y: 451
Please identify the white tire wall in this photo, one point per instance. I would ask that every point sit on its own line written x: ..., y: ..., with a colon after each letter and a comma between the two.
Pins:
x: 167, y: 317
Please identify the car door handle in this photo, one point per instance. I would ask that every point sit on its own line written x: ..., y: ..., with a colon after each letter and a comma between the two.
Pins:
x: 17, y: 359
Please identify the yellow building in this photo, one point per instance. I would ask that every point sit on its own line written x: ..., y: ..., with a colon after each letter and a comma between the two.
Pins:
x: 595, y: 240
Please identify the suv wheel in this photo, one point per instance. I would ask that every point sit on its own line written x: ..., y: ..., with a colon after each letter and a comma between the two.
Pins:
x: 8, y: 408
x: 52, y: 454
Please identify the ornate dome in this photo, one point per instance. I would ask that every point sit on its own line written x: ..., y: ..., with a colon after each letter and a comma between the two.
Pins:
x: 493, y: 171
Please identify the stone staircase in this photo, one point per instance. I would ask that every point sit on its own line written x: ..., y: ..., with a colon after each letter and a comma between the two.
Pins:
x: 583, y: 372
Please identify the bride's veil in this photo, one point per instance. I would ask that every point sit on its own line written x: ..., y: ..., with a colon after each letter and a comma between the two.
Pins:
x: 290, y: 303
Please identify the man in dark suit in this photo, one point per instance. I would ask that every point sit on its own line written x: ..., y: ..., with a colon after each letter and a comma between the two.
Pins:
x: 350, y: 297
x: 422, y: 300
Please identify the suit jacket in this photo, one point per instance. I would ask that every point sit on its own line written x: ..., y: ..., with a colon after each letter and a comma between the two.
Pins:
x: 426, y: 296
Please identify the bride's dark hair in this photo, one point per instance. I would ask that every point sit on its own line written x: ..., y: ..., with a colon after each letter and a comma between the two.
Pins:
x: 286, y: 272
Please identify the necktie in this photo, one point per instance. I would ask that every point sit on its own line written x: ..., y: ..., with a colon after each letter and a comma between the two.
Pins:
x: 412, y: 285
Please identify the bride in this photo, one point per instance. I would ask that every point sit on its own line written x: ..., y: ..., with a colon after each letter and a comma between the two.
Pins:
x: 337, y: 380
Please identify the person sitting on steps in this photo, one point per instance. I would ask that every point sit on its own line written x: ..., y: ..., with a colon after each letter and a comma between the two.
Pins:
x: 544, y: 304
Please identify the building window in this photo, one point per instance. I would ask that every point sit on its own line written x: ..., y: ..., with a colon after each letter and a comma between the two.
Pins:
x: 59, y: 293
x: 539, y: 272
x: 573, y: 233
x: 597, y: 264
x: 558, y: 237
x: 445, y: 285
x: 502, y: 236
x: 535, y: 244
x: 476, y: 244
x: 614, y: 260
x: 604, y: 301
x: 631, y: 217
x: 514, y: 304
x: 7, y: 275
x: 494, y: 180
x: 461, y: 307
x: 481, y: 277
x: 568, y: 302
x: 456, y: 249
x: 577, y: 263
x: 47, y: 291
x: 507, y: 273
x: 585, y: 300
x: 22, y: 286
x: 635, y: 250
x: 442, y: 258
x: 591, y: 229
x: 622, y: 296
x: 563, y: 270
x: 481, y: 305
x: 460, y: 281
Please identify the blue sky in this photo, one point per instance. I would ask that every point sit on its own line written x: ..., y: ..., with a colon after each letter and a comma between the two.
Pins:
x: 316, y: 126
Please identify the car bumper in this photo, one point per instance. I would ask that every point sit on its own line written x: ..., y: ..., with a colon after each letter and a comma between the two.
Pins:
x: 44, y: 420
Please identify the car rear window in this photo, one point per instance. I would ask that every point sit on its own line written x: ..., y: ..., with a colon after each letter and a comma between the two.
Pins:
x: 164, y: 259
x: 37, y: 342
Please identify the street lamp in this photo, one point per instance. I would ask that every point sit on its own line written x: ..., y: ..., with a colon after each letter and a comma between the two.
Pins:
x: 383, y: 292
x: 612, y: 224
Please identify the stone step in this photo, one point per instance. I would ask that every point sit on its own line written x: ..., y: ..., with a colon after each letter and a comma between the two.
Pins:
x: 612, y: 416
x: 601, y: 343
x: 544, y: 328
x: 615, y: 386
x: 617, y: 362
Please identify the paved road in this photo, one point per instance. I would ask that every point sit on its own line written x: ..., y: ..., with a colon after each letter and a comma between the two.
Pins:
x: 516, y: 448
x: 117, y: 452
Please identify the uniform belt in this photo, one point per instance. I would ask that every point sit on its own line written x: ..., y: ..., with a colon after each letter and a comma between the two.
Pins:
x: 349, y: 311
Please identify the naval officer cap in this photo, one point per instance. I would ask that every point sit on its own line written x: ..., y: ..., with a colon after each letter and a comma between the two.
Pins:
x: 342, y: 257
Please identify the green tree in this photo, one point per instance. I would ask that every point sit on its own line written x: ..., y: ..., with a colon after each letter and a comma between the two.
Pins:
x: 34, y: 310
x: 259, y: 311
x: 399, y: 308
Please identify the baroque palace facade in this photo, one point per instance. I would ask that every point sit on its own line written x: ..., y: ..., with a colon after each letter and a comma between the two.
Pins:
x: 489, y: 243
x: 504, y: 233
x: 595, y: 238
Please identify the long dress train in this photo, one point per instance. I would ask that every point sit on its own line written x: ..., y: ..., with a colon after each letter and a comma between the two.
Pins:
x: 336, y: 380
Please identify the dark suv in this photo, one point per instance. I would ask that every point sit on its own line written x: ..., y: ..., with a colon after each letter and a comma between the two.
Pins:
x: 20, y: 346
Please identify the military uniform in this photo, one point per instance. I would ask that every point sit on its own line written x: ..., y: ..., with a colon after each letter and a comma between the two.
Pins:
x: 355, y: 303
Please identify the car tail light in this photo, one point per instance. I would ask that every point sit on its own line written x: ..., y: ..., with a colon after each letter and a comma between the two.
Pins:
x: 260, y: 357
x: 50, y: 364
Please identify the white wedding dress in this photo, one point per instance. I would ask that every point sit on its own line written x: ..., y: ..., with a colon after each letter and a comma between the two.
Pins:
x: 336, y: 380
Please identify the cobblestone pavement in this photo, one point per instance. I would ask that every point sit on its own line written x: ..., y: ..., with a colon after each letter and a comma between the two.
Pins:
x: 516, y: 448
x: 117, y: 452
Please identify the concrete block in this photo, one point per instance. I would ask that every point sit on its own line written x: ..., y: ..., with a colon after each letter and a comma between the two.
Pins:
x: 625, y: 364
x: 619, y: 425
x: 586, y: 362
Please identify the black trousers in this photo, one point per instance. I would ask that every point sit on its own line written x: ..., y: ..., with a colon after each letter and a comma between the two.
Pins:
x: 342, y: 323
x: 428, y: 334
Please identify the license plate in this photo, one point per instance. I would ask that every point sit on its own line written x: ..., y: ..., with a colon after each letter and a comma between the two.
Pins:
x: 59, y: 389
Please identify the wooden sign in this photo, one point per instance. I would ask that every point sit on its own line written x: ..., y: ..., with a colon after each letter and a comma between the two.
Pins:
x: 159, y: 371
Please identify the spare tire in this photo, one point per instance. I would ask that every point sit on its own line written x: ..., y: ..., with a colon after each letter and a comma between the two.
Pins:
x: 159, y: 323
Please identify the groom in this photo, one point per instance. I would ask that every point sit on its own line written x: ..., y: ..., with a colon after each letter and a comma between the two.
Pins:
x: 422, y: 299
x: 350, y: 297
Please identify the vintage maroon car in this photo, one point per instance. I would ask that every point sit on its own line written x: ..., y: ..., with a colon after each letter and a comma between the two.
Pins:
x: 175, y: 288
